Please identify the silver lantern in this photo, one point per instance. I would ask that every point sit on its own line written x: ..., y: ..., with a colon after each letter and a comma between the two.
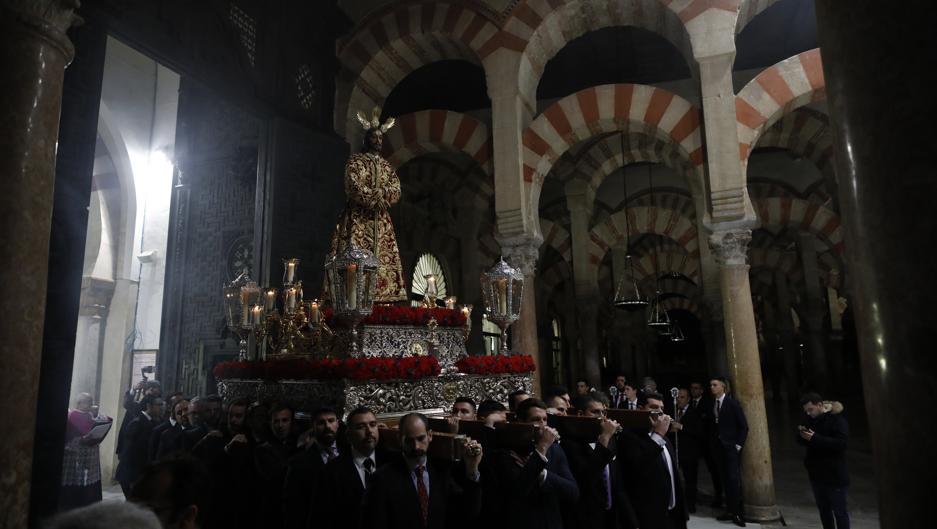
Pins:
x: 503, y: 290
x: 352, y: 279
x: 241, y: 299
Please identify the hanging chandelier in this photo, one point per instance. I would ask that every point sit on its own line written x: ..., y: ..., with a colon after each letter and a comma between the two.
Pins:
x: 657, y: 316
x: 677, y: 335
x: 627, y: 295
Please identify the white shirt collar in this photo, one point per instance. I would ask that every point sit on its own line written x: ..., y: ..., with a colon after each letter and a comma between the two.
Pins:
x: 721, y: 398
x: 359, y: 458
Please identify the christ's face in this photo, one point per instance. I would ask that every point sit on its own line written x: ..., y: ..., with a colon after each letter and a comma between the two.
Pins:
x: 375, y: 140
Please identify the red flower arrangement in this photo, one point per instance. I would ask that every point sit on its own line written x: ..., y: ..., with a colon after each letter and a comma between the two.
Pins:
x: 409, y: 368
x: 495, y: 365
x: 394, y: 315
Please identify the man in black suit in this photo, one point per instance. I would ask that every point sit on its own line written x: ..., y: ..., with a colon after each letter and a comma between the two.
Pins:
x: 825, y: 435
x: 167, y: 437
x: 603, y: 503
x: 728, y: 430
x: 413, y: 492
x: 271, y: 460
x: 538, y: 482
x: 687, y: 434
x: 632, y: 400
x: 306, y: 467
x: 134, y: 454
x: 701, y: 404
x: 654, y: 481
x: 618, y: 396
x: 346, y: 477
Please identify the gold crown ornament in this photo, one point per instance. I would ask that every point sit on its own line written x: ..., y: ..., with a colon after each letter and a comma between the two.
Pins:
x: 375, y: 121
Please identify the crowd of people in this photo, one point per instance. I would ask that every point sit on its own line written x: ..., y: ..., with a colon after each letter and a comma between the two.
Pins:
x: 202, y: 462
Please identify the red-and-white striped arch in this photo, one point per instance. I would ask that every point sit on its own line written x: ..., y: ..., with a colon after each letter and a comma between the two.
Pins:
x: 429, y: 131
x: 748, y: 10
x: 556, y: 237
x: 539, y: 29
x: 651, y: 264
x: 788, y: 85
x: 394, y: 42
x: 603, y: 109
x: 774, y: 259
x: 801, y: 214
x: 558, y: 273
x: 664, y: 222
x: 681, y: 303
x: 605, y: 157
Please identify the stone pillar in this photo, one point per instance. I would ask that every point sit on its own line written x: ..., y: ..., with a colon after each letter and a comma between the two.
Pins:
x: 469, y: 220
x: 814, y: 315
x: 92, y: 317
x: 882, y: 119
x: 790, y: 352
x: 731, y: 250
x: 523, y: 256
x: 579, y: 201
x: 34, y: 52
x: 726, y: 178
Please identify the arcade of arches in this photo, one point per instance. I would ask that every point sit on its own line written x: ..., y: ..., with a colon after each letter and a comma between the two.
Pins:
x: 671, y: 145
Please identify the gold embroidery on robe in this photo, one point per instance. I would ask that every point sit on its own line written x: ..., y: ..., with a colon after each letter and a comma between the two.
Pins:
x: 367, y: 217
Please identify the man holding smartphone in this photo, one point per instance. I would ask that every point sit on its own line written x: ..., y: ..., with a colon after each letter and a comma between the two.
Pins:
x: 825, y: 435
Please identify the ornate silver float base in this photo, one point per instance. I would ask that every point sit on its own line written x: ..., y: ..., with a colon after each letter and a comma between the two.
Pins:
x: 390, y: 396
x: 447, y: 344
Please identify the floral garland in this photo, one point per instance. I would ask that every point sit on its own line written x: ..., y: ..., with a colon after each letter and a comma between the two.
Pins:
x: 416, y: 316
x: 410, y: 368
x: 495, y: 365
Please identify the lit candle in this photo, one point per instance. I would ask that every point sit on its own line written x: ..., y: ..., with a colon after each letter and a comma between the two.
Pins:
x: 314, y: 311
x: 502, y: 296
x: 290, y: 299
x: 431, y: 285
x: 466, y: 311
x: 290, y: 270
x: 270, y: 300
x: 351, y: 286
x: 257, y: 314
x: 450, y: 302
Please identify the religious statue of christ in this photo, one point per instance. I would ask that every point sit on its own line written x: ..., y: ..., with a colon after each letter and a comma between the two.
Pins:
x: 372, y: 187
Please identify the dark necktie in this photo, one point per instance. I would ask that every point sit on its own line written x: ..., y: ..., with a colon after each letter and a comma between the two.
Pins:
x: 607, y: 481
x: 422, y: 492
x: 368, y: 470
x: 679, y: 414
x: 718, y: 406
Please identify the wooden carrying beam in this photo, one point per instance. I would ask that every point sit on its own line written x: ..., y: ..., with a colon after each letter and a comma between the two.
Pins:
x: 631, y: 419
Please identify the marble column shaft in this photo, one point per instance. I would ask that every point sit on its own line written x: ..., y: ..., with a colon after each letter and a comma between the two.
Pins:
x: 34, y: 52
x: 524, y: 331
x: 877, y: 61
x: 731, y: 248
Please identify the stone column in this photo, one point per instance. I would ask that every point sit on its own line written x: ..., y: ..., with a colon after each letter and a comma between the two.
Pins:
x: 814, y: 315
x: 34, y: 52
x: 579, y: 200
x: 731, y: 250
x: 882, y: 118
x: 523, y: 255
x: 469, y: 221
x: 790, y: 354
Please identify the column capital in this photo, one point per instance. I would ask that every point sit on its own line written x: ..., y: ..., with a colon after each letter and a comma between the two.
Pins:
x: 522, y: 253
x: 49, y: 19
x: 730, y: 247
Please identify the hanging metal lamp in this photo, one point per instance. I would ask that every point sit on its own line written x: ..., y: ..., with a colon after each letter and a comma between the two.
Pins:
x: 657, y: 316
x: 627, y: 296
x: 677, y: 335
